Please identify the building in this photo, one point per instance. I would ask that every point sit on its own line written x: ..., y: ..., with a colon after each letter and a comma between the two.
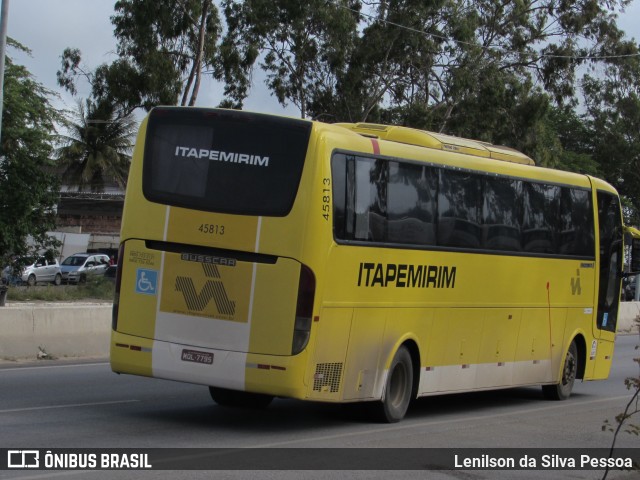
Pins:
x: 89, y: 221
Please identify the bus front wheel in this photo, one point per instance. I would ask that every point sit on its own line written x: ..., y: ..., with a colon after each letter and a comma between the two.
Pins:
x: 236, y: 398
x: 562, y: 390
x: 398, y: 389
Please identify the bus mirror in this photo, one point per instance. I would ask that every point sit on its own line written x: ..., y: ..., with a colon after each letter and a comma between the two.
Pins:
x: 635, y: 255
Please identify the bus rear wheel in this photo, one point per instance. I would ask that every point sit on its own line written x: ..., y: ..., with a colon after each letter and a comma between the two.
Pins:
x: 235, y: 398
x: 562, y: 390
x: 397, y: 389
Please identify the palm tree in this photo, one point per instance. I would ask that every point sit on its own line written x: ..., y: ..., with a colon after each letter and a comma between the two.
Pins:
x: 97, y: 148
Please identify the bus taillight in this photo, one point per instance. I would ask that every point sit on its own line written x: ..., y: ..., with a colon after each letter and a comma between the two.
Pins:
x: 116, y: 295
x: 304, y: 310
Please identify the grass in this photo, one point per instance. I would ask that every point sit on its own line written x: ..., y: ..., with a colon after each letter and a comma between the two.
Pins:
x: 96, y: 288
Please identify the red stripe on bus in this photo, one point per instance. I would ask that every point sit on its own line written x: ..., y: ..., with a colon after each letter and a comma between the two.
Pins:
x: 376, y: 146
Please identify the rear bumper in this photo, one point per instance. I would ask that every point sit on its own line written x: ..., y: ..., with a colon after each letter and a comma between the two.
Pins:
x: 269, y: 374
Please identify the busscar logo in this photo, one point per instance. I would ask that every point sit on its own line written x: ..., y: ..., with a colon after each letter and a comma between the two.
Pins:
x: 213, y: 289
x: 23, y: 459
x: 195, y: 257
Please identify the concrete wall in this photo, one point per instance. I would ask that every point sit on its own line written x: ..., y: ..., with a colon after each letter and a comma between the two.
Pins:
x: 626, y: 317
x: 83, y: 329
x: 60, y: 329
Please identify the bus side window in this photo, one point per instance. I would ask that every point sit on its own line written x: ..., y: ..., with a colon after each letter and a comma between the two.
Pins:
x: 339, y: 188
x: 459, y: 205
x: 411, y: 204
x: 371, y: 200
x: 576, y: 223
x: 539, y: 217
x: 501, y: 214
x: 610, y: 259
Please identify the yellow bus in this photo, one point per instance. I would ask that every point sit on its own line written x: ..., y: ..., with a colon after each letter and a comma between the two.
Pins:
x: 265, y: 256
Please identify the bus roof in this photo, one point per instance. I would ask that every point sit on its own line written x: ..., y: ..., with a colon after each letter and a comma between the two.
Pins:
x: 439, y: 141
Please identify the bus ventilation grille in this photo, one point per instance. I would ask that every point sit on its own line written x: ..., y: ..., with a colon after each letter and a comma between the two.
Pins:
x: 327, y: 377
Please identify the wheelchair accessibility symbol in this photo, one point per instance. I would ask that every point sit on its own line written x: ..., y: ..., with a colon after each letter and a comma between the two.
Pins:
x: 146, y: 281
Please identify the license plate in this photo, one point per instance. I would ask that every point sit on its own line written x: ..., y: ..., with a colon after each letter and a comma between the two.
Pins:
x: 197, y: 357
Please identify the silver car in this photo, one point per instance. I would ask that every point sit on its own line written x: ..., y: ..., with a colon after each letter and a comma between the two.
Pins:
x: 42, y: 270
x: 77, y: 267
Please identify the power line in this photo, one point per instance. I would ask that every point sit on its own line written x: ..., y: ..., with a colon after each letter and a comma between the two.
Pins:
x: 491, y: 47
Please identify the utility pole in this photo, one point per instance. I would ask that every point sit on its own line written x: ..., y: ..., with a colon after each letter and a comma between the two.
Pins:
x: 3, y: 47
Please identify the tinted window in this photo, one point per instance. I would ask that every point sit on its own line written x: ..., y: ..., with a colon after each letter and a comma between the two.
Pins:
x: 540, y: 212
x: 411, y: 203
x: 610, y: 233
x: 459, y: 204
x: 339, y: 188
x: 502, y: 214
x: 370, y: 200
x: 224, y: 161
x: 404, y: 203
x: 575, y: 236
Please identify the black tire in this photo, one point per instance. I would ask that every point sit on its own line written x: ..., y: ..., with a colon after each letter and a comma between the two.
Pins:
x: 234, y: 398
x: 398, y: 389
x: 562, y: 390
x: 58, y: 280
x: 82, y: 279
x: 31, y: 281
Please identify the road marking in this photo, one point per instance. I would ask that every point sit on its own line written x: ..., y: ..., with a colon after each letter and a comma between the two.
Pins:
x: 40, y: 367
x: 405, y: 425
x: 70, y: 405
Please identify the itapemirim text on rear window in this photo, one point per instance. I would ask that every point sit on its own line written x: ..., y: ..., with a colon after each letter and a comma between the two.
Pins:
x: 224, y: 161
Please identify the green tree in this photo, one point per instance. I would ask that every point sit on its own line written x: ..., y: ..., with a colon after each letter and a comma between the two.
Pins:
x: 489, y: 67
x: 398, y: 49
x: 28, y: 186
x: 502, y: 72
x: 301, y: 46
x: 575, y: 135
x: 164, y: 48
x: 613, y: 107
x: 463, y: 48
x: 96, y: 148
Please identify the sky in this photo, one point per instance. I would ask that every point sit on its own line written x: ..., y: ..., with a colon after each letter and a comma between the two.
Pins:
x: 47, y: 27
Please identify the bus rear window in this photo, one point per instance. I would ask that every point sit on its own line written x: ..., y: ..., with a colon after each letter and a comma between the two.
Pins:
x: 224, y: 161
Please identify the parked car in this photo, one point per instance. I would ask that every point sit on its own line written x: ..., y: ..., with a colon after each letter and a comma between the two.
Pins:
x: 77, y: 267
x: 40, y: 270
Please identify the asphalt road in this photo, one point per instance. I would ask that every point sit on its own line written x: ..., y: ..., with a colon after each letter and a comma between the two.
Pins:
x: 84, y: 405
